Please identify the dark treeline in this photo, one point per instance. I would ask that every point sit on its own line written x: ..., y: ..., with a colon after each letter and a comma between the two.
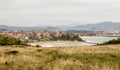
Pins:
x: 68, y: 36
x: 64, y: 36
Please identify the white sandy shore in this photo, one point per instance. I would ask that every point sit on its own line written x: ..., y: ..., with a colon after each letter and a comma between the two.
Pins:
x: 61, y: 44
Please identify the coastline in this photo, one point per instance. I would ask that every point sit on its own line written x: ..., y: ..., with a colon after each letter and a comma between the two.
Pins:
x: 61, y: 43
x: 87, y: 40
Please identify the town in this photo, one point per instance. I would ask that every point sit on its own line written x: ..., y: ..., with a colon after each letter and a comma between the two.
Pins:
x: 53, y: 35
x: 41, y: 35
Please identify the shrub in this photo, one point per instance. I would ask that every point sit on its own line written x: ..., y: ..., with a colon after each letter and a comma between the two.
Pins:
x: 14, y: 52
x: 114, y: 41
x: 38, y: 45
x: 5, y: 40
x: 39, y: 50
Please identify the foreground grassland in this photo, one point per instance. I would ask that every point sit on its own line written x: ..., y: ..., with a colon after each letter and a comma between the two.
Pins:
x: 105, y: 57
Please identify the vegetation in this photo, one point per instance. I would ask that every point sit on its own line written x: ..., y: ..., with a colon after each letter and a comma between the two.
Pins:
x: 64, y: 37
x: 38, y: 45
x: 105, y: 57
x: 6, y: 40
x: 14, y: 52
x: 56, y: 37
x: 114, y: 41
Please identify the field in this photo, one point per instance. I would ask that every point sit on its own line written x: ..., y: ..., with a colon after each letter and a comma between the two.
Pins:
x: 105, y: 57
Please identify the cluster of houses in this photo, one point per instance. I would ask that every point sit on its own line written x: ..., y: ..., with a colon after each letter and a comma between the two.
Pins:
x: 47, y: 34
x: 35, y: 34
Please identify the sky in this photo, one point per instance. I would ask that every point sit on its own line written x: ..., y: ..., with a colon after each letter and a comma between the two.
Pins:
x: 58, y: 12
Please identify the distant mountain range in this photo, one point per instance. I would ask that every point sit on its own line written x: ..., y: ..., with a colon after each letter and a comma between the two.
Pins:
x: 4, y: 27
x: 94, y: 26
x: 99, y: 26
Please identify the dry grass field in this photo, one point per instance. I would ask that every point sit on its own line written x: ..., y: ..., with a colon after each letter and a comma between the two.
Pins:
x: 105, y: 57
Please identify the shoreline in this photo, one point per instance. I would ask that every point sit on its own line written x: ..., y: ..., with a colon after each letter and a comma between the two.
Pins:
x: 61, y: 44
x: 87, y: 40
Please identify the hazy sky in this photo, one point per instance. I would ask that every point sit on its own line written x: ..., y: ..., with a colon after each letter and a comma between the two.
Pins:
x: 57, y: 12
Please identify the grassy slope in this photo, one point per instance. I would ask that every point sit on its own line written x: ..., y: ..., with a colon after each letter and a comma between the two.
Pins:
x: 70, y: 58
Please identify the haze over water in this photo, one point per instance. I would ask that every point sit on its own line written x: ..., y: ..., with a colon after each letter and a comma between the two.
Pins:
x: 97, y: 39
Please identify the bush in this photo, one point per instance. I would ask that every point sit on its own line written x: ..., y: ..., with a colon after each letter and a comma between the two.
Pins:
x: 39, y: 50
x: 114, y: 41
x: 14, y: 52
x: 38, y: 46
x: 5, y: 40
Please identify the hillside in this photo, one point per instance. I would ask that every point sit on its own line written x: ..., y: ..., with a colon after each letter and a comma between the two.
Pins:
x: 5, y: 27
x: 93, y: 26
x: 99, y: 26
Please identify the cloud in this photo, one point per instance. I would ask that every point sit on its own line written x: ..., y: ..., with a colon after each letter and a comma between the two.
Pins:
x: 57, y: 12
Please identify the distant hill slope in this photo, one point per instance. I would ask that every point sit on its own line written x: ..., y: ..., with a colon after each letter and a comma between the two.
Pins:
x: 99, y: 26
x: 4, y: 27
x: 96, y: 26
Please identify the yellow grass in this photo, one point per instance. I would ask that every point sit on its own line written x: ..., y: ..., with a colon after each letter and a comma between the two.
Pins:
x: 105, y: 57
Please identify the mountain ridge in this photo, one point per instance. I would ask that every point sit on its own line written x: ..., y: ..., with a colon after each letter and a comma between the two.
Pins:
x: 107, y: 25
